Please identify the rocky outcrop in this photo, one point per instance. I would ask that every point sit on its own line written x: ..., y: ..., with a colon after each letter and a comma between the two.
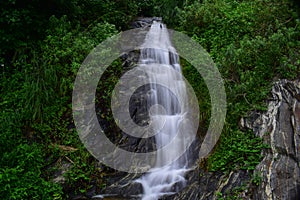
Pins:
x: 280, y: 128
x: 144, y: 21
x: 201, y: 185
x: 208, y: 185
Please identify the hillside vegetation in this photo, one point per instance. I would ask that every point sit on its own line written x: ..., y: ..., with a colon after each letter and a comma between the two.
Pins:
x: 43, y: 43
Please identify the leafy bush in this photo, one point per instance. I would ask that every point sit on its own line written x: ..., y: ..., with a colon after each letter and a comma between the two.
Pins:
x: 21, y: 164
x: 252, y: 43
x: 36, y: 93
x: 52, y: 68
x: 241, y: 151
x: 21, y: 175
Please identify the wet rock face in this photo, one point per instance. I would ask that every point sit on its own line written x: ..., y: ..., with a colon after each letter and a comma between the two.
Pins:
x: 280, y: 128
x: 144, y: 21
x: 203, y: 185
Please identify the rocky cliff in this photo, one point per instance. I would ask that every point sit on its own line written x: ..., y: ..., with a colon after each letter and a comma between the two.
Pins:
x: 280, y: 129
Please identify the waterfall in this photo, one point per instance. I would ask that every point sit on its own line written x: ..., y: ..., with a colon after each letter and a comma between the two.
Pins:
x: 159, y: 55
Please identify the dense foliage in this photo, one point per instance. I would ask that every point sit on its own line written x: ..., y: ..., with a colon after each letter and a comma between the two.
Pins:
x: 43, y: 43
x: 253, y: 43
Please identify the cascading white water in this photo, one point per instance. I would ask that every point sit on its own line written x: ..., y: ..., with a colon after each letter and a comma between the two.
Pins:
x: 159, y: 54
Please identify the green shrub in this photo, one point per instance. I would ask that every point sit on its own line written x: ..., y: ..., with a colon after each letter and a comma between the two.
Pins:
x: 253, y: 43
x: 36, y: 93
x: 21, y: 174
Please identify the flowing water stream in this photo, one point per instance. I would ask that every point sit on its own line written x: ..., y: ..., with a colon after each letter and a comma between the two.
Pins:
x: 171, y: 115
x: 164, y: 106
